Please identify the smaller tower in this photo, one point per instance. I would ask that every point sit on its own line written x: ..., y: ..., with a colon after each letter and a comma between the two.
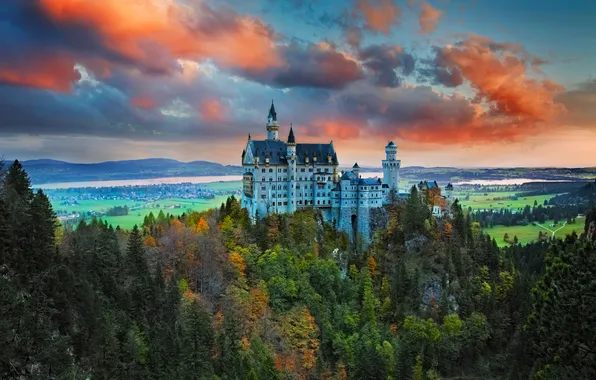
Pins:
x: 272, y: 125
x: 391, y: 167
x: 356, y: 170
x: 291, y: 157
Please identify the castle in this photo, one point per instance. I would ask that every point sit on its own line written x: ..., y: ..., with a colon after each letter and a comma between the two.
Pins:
x: 283, y: 177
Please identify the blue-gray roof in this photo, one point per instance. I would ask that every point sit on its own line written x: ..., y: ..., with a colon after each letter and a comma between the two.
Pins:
x: 369, y: 181
x: 276, y: 151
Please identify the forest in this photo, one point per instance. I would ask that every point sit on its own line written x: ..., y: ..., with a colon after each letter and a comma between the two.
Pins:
x: 212, y: 295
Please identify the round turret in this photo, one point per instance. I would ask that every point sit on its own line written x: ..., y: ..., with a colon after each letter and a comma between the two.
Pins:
x: 391, y: 150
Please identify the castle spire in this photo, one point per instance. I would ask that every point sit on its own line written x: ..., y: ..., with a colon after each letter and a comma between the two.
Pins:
x: 272, y: 114
x: 291, y: 138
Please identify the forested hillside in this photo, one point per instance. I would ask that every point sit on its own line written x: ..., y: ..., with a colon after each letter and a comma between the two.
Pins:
x: 213, y: 296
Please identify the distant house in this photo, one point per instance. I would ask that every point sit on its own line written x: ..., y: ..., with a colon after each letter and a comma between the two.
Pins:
x: 438, y: 203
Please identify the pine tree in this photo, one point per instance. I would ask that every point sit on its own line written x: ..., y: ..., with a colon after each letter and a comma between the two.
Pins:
x: 197, y: 338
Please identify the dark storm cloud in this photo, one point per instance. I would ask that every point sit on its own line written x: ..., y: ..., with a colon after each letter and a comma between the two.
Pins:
x: 313, y: 65
x: 384, y: 60
x: 436, y: 70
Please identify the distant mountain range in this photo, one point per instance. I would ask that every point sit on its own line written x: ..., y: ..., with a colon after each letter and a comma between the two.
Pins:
x: 51, y: 171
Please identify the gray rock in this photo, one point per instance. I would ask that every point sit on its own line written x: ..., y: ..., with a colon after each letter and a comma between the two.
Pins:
x: 416, y: 244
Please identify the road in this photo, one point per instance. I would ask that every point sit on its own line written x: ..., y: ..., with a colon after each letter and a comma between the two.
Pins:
x: 551, y: 231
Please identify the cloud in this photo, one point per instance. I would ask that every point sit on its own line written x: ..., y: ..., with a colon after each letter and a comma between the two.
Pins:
x: 340, y: 128
x: 169, y: 29
x: 580, y: 103
x: 54, y: 72
x: 428, y: 18
x: 379, y: 15
x: 422, y: 115
x: 498, y: 74
x: 212, y: 110
x: 314, y: 65
x: 383, y: 60
x: 102, y: 36
x: 143, y: 102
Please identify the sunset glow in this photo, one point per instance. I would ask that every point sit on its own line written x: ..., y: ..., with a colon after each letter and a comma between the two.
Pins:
x: 458, y: 83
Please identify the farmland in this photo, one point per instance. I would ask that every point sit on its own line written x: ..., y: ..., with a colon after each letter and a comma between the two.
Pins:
x: 174, y: 206
x: 529, y: 233
x: 498, y: 200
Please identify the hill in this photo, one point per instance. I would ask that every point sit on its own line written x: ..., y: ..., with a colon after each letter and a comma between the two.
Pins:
x: 44, y: 171
x: 49, y: 171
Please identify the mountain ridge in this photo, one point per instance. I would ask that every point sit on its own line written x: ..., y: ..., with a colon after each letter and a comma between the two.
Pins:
x: 44, y: 171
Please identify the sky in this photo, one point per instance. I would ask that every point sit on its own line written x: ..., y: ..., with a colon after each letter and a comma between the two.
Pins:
x: 467, y: 83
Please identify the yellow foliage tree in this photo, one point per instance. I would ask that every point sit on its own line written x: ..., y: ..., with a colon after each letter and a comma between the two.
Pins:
x: 372, y: 266
x: 239, y: 263
x: 150, y: 241
x: 300, y: 330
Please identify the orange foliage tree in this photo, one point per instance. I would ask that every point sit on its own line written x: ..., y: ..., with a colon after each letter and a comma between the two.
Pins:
x: 202, y: 227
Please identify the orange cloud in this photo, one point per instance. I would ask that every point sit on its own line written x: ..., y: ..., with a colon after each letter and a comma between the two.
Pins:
x: 212, y: 110
x: 499, y: 76
x: 379, y: 15
x: 144, y: 102
x: 54, y: 72
x: 145, y: 30
x: 428, y: 18
x: 341, y: 128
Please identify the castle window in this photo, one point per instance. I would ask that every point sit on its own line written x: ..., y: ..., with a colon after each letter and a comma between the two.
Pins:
x: 310, y: 170
x: 318, y: 202
x: 263, y: 179
x: 263, y: 170
x: 279, y: 203
x: 270, y: 170
x: 270, y: 179
x: 285, y: 170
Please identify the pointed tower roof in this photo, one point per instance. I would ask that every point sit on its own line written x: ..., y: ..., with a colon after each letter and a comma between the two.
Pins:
x: 291, y: 138
x: 272, y: 113
x: 356, y: 166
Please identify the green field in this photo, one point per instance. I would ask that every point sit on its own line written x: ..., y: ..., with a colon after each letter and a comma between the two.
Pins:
x: 136, y: 216
x: 480, y: 201
x: 224, y: 186
x: 529, y: 233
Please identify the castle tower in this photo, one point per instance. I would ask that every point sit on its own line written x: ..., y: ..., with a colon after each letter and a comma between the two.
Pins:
x: 356, y: 170
x: 391, y: 167
x: 291, y: 157
x: 272, y: 125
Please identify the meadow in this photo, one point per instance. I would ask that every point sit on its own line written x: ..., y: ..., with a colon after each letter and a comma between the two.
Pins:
x: 478, y: 200
x: 139, y: 209
x: 529, y: 233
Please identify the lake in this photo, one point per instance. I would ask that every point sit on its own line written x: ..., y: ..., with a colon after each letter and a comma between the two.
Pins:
x: 159, y: 181
x: 508, y: 181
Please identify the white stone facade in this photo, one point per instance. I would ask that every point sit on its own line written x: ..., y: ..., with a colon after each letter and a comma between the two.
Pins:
x: 283, y: 177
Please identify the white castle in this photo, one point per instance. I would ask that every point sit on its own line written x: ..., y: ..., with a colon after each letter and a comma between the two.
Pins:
x: 283, y: 177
